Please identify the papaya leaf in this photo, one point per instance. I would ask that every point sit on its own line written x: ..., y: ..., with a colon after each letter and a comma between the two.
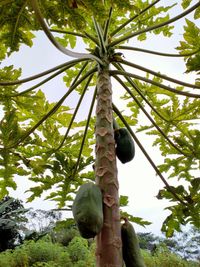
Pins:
x: 134, y: 219
x: 190, y: 44
x: 123, y: 201
x: 186, y: 3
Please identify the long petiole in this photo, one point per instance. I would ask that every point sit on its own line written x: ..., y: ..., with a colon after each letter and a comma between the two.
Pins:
x: 74, y: 113
x: 40, y: 83
x: 170, y: 189
x: 134, y: 17
x: 164, y: 77
x: 124, y: 47
x: 39, y: 75
x: 148, y: 29
x: 173, y: 90
x: 85, y: 131
x: 149, y: 117
x: 119, y: 67
x: 48, y: 33
x: 53, y: 110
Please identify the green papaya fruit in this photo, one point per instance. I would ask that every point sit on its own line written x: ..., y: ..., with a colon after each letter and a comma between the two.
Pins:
x: 130, y: 246
x: 125, y: 148
x: 87, y: 210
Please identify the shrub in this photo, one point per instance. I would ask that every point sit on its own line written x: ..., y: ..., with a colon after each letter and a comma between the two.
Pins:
x: 81, y: 253
x: 64, y: 236
x: 165, y: 258
x: 20, y: 257
x: 78, y: 249
x: 6, y: 259
x: 42, y: 251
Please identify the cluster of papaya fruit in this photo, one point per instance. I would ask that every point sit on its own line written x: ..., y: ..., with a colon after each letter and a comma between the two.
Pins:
x: 125, y: 148
x: 88, y: 205
x: 88, y: 214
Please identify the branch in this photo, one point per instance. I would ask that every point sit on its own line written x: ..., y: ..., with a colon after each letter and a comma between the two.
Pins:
x: 14, y: 30
x: 85, y: 35
x: 149, y: 117
x: 162, y: 76
x: 85, y: 132
x: 53, y: 110
x: 105, y: 32
x: 25, y: 160
x: 41, y: 83
x: 124, y: 47
x: 25, y: 80
x: 77, y: 34
x: 118, y: 72
x: 74, y: 113
x: 48, y: 33
x: 134, y: 17
x: 170, y: 189
x: 100, y: 36
x: 62, y: 209
x: 92, y: 38
x: 148, y: 29
x: 119, y: 67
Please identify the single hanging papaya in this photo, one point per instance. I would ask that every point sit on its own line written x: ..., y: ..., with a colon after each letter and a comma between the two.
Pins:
x: 125, y: 148
x: 88, y: 210
x: 130, y: 246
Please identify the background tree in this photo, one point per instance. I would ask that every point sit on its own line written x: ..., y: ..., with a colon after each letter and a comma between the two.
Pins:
x: 35, y: 139
x: 40, y: 223
x: 148, y: 241
x: 187, y: 244
x: 12, y: 220
x: 64, y: 231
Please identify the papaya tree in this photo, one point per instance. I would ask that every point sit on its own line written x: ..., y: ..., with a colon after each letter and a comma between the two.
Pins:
x: 46, y: 143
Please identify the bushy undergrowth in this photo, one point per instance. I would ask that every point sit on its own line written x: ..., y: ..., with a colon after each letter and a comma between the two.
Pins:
x: 78, y: 253
x: 44, y: 253
x: 166, y: 259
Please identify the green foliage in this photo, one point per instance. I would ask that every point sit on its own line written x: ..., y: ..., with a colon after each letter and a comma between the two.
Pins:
x: 179, y: 213
x: 40, y: 253
x: 78, y: 254
x: 173, y: 116
x: 186, y: 3
x: 191, y: 44
x: 165, y: 259
x: 71, y: 16
x: 64, y: 232
x: 123, y: 201
x: 16, y: 25
x: 78, y: 249
x: 42, y: 154
x: 134, y: 219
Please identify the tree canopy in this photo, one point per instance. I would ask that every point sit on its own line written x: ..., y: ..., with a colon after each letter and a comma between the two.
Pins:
x: 44, y: 142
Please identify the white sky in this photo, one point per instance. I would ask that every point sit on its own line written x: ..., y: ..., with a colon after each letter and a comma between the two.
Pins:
x: 137, y: 178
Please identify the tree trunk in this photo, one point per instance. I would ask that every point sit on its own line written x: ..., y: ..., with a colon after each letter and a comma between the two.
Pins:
x: 109, y: 246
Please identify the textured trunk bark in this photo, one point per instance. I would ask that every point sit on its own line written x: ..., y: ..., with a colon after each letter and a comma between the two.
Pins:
x: 109, y: 246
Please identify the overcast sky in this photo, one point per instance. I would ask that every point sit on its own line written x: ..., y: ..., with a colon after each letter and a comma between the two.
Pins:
x: 137, y: 178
